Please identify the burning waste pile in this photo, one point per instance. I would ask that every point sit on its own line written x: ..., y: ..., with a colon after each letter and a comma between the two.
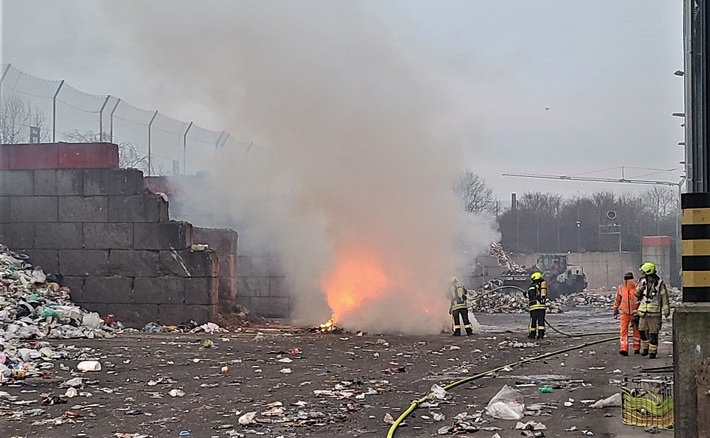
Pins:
x: 35, y: 306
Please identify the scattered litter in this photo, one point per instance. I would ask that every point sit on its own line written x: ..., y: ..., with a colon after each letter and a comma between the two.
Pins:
x: 176, y: 393
x: 89, y: 365
x: 530, y: 425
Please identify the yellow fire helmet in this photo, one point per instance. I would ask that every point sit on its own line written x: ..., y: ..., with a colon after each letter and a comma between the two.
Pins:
x: 648, y: 268
x: 535, y: 276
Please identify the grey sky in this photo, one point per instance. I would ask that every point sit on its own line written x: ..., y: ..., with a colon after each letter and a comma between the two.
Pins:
x: 604, y: 69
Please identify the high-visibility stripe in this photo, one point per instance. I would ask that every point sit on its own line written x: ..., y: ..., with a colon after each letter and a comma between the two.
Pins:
x: 695, y: 216
x: 697, y: 247
x: 696, y: 279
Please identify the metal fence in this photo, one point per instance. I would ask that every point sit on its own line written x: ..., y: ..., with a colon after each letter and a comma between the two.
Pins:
x: 37, y: 110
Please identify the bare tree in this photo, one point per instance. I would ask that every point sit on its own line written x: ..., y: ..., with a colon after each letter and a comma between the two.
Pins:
x: 662, y: 203
x: 16, y: 118
x: 475, y: 194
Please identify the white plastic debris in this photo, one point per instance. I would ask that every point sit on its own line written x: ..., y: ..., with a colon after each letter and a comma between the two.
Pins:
x: 176, y: 393
x: 71, y: 392
x: 507, y: 404
x: 89, y: 365
x: 437, y: 393
x: 611, y: 401
x: 75, y: 382
x: 530, y: 425
x: 247, y: 418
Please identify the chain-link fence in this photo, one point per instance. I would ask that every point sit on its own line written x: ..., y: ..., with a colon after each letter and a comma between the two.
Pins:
x: 37, y: 110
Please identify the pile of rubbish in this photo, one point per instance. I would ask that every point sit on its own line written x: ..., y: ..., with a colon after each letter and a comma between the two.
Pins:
x: 505, y: 301
x: 504, y: 260
x: 36, y: 306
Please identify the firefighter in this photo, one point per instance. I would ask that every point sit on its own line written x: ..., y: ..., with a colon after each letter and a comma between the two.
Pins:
x: 459, y: 307
x: 652, y: 295
x: 625, y: 307
x: 537, y: 298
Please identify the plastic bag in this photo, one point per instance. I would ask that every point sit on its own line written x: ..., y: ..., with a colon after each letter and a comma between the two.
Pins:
x: 611, y: 401
x: 92, y: 320
x: 508, y: 404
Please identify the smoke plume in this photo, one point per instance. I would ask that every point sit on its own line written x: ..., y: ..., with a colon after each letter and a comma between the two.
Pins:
x: 356, y: 142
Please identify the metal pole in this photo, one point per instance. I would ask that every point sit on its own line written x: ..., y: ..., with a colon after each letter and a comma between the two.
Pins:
x: 184, y: 147
x: 54, y: 112
x: 150, y: 126
x: 118, y: 102
x: 101, y: 119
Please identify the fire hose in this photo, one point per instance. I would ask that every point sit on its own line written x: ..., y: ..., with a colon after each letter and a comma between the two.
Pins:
x: 416, y: 403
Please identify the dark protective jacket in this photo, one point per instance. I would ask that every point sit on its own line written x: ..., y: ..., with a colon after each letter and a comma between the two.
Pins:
x: 537, y: 295
x: 457, y: 296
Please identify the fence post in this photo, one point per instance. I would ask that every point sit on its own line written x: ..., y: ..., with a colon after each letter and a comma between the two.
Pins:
x: 118, y: 102
x: 54, y: 112
x: 101, y: 119
x: 2, y: 79
x: 150, y: 128
x: 184, y: 147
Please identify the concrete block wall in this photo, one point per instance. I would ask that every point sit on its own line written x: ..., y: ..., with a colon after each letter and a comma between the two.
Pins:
x: 111, y: 239
x: 261, y: 285
x: 224, y: 243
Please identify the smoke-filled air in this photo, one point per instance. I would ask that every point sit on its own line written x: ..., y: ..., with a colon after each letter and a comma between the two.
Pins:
x: 352, y: 142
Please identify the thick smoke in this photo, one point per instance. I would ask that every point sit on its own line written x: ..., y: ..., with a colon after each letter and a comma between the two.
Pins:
x: 356, y: 141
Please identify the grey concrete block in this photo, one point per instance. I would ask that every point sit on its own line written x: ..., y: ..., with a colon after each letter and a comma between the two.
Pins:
x: 45, y: 182
x: 201, y: 290
x: 134, y: 263
x: 76, y: 287
x: 83, y: 209
x: 16, y: 183
x: 108, y: 290
x: 112, y: 182
x: 187, y: 263
x: 253, y: 286
x: 108, y: 235
x: 60, y: 182
x: 227, y: 265
x: 17, y: 236
x: 58, y: 236
x: 244, y: 301
x: 83, y: 262
x: 172, y: 314
x: 270, y: 307
x: 4, y: 209
x: 159, y: 290
x: 221, y: 240
x: 166, y: 235
x: 47, y: 259
x: 33, y: 209
x: 134, y: 315
x: 245, y: 266
x: 278, y: 287
x: 70, y: 182
x: 147, y: 207
x: 227, y: 289
x: 259, y: 266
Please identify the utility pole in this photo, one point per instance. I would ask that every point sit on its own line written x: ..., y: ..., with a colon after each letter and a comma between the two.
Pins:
x: 691, y: 339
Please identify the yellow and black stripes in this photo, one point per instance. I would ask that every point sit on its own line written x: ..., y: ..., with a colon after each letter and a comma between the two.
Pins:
x: 695, y: 250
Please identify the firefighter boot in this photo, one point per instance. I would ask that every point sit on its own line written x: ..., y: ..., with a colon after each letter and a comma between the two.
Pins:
x: 644, y: 352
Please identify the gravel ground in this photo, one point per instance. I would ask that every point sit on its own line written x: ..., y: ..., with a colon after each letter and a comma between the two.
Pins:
x: 304, y: 384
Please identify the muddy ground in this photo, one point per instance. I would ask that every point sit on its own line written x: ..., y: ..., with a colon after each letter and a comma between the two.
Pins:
x: 339, y: 385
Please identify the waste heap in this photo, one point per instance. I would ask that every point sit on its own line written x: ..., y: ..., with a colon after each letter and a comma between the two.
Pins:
x: 35, y: 306
x: 505, y: 301
x: 504, y: 260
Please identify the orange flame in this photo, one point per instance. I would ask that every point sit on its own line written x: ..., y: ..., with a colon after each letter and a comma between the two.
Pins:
x: 356, y: 278
x: 327, y: 326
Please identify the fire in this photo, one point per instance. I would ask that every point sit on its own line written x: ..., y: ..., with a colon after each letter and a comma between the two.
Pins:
x: 356, y: 278
x: 327, y: 326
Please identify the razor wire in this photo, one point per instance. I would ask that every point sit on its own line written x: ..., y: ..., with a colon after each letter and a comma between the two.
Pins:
x: 40, y: 110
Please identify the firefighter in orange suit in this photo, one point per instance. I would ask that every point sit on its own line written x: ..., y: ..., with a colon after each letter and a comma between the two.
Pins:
x: 537, y: 305
x: 459, y: 307
x: 625, y: 307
